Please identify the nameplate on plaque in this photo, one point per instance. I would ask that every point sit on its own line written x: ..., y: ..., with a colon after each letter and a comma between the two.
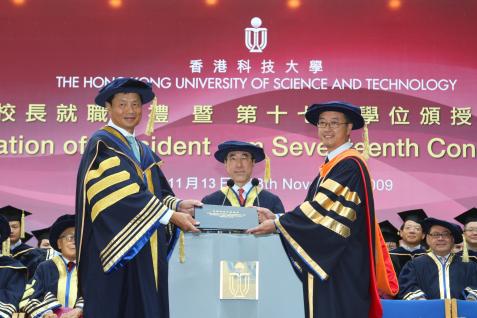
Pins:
x: 221, y: 217
x: 239, y: 280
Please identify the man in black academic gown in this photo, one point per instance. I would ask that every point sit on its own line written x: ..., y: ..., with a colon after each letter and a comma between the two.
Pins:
x: 27, y: 255
x: 13, y: 275
x: 469, y: 220
x: 439, y: 274
x: 411, y: 238
x: 124, y: 205
x: 239, y: 158
x: 54, y: 286
x: 332, y: 238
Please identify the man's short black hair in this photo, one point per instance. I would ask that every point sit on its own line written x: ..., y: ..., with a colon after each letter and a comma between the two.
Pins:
x: 110, y: 99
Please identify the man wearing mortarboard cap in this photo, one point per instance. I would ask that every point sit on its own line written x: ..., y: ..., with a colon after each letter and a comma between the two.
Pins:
x: 13, y: 275
x: 411, y: 238
x: 27, y: 255
x: 53, y: 290
x: 439, y: 274
x: 124, y: 207
x: 239, y: 159
x: 469, y: 220
x: 334, y: 236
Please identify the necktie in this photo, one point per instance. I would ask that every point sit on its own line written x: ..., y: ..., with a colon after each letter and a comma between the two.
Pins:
x: 71, y: 265
x: 241, y: 198
x: 134, y: 146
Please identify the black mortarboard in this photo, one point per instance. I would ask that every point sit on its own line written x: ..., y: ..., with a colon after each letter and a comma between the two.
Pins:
x: 454, y: 228
x: 352, y: 112
x: 390, y: 232
x: 224, y: 148
x: 417, y: 215
x: 467, y: 216
x: 42, y: 234
x: 12, y: 213
x: 61, y: 224
x: 125, y: 85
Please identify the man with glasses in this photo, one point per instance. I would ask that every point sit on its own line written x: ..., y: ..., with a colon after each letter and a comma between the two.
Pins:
x: 411, y: 238
x: 439, y: 274
x: 239, y: 159
x: 469, y: 220
x: 53, y: 289
x: 332, y: 238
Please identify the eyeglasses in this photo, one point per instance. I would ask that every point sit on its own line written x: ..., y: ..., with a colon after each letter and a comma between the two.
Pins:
x: 471, y: 229
x: 332, y: 125
x: 68, y: 238
x: 445, y: 235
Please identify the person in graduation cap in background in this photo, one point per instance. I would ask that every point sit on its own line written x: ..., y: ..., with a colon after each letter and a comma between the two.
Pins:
x: 333, y: 238
x: 123, y: 205
x: 469, y: 220
x: 390, y: 234
x: 439, y: 274
x: 239, y: 159
x: 54, y: 287
x: 43, y: 241
x: 27, y: 255
x: 13, y: 275
x: 411, y: 238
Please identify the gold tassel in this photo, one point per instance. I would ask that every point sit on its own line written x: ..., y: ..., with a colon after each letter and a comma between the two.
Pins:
x: 6, y: 247
x: 152, y: 115
x: 465, y: 251
x: 366, y: 142
x: 22, y: 225
x: 181, y: 248
x: 266, y: 175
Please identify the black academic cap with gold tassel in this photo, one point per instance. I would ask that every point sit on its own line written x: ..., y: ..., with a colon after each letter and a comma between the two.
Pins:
x: 181, y: 247
x: 12, y: 213
x: 366, y: 142
x: 267, y: 174
x: 152, y: 117
x: 465, y: 250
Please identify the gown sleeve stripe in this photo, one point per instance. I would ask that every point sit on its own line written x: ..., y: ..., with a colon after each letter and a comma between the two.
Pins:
x: 103, y: 166
x: 6, y: 310
x: 127, y: 239
x: 112, y: 198
x: 341, y: 190
x: 335, y: 206
x: 326, y: 221
x: 413, y: 295
x: 301, y: 252
x: 107, y: 182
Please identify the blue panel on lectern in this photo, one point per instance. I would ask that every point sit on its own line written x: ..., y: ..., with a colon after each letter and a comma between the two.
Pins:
x: 194, y: 286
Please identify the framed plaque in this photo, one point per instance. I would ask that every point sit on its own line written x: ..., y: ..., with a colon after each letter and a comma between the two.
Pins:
x: 228, y: 218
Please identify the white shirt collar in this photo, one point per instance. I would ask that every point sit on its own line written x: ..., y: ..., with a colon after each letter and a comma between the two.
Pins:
x: 13, y: 246
x: 65, y: 260
x: 123, y: 131
x: 347, y: 145
x: 409, y: 248
x: 246, y: 187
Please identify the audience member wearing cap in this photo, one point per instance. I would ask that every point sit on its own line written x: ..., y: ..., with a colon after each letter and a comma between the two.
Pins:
x: 411, y: 238
x: 27, y: 255
x: 43, y: 241
x: 390, y: 234
x: 469, y: 220
x: 124, y: 204
x: 330, y: 235
x: 439, y: 274
x: 53, y: 288
x: 239, y: 159
x: 13, y: 276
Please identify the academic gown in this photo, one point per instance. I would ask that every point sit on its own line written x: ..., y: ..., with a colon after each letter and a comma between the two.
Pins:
x: 400, y: 256
x: 425, y: 276
x: 330, y: 241
x: 13, y: 277
x: 29, y: 256
x: 51, y: 287
x: 255, y: 197
x: 121, y: 244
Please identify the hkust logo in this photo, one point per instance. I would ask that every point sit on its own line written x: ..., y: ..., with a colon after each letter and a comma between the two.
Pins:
x: 256, y: 36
